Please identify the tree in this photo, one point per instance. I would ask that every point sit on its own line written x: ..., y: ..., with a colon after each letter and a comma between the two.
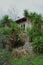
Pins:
x: 26, y: 13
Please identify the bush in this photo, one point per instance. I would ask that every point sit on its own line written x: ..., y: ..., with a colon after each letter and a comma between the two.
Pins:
x: 12, y: 35
x: 36, y: 38
x: 38, y: 44
x: 36, y: 33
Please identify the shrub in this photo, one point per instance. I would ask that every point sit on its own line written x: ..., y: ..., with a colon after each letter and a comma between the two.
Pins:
x: 11, y: 35
x: 38, y: 44
x: 36, y: 32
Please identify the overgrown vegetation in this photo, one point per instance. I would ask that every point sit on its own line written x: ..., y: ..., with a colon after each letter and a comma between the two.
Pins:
x: 36, y: 32
x: 7, y: 58
x: 11, y: 36
x: 10, y: 33
x: 38, y: 60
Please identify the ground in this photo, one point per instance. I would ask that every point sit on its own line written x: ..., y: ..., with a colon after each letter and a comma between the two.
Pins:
x: 29, y: 60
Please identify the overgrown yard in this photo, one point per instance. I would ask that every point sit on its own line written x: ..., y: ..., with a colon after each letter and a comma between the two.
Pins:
x: 38, y: 60
x: 30, y: 60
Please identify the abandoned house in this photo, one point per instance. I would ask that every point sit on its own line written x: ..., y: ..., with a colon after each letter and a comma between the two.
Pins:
x: 24, y: 23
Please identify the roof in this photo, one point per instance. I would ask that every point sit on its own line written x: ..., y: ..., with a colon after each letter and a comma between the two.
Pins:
x: 21, y: 20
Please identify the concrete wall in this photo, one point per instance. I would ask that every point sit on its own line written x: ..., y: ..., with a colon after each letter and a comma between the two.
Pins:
x: 27, y: 24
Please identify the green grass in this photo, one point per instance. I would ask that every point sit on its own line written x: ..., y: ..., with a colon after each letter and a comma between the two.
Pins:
x: 30, y: 60
x: 35, y: 60
x: 18, y: 61
x: 38, y: 60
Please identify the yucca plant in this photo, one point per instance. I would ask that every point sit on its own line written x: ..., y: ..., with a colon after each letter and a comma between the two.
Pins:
x: 38, y: 44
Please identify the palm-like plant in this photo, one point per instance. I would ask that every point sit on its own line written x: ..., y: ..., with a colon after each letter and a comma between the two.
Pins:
x: 35, y: 33
x: 6, y: 21
x: 26, y: 13
x: 38, y: 44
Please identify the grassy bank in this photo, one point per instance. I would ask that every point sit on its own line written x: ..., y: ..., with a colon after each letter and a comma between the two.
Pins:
x: 30, y: 60
x: 35, y: 60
